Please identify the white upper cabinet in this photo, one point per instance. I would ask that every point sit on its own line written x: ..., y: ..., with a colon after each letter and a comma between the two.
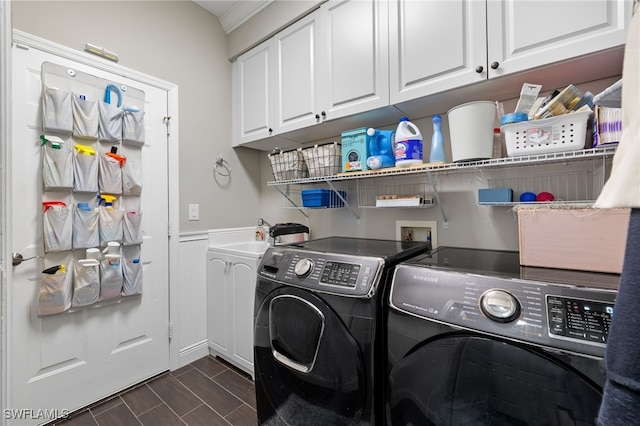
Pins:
x: 253, y: 94
x: 354, y: 64
x: 524, y: 34
x: 435, y: 46
x: 441, y: 45
x: 296, y: 75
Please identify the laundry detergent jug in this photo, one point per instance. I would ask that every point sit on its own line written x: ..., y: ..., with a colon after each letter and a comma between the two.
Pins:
x: 381, y: 149
x: 408, y: 144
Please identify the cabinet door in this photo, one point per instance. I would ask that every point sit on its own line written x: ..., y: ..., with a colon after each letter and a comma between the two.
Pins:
x: 218, y: 306
x: 253, y: 94
x: 354, y: 70
x: 435, y: 46
x: 242, y: 286
x: 528, y: 34
x: 296, y: 88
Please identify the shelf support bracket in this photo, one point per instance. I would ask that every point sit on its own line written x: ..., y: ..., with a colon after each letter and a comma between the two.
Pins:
x: 342, y: 199
x: 292, y: 202
x: 445, y: 221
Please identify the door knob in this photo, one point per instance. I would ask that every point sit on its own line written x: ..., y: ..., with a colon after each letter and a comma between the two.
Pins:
x: 495, y: 65
x: 16, y: 258
x: 479, y: 69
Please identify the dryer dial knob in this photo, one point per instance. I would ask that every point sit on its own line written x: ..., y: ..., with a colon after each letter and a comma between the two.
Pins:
x: 499, y: 305
x: 303, y: 267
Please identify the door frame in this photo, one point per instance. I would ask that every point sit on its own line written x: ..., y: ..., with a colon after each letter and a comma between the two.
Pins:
x: 9, y: 36
x: 5, y: 189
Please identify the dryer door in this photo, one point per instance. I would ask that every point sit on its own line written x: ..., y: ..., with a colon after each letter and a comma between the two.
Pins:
x: 474, y: 380
x: 309, y: 368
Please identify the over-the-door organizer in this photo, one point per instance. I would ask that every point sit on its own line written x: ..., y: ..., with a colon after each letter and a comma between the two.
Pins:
x: 92, y: 139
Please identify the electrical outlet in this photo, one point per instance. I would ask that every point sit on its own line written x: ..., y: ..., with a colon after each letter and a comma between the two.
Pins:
x: 194, y: 211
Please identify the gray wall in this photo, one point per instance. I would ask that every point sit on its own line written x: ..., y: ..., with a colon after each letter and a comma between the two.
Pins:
x: 180, y: 42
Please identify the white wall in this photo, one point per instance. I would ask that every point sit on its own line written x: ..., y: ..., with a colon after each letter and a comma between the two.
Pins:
x: 180, y: 42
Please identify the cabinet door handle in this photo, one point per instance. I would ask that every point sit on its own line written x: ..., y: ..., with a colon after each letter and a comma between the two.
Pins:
x: 323, y: 114
x: 495, y: 65
x: 317, y: 117
x: 479, y: 69
x: 270, y: 130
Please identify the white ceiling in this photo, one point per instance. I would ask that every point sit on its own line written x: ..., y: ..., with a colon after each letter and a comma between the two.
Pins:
x: 232, y: 14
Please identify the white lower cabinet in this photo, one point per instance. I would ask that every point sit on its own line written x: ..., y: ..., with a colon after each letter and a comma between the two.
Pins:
x: 231, y: 282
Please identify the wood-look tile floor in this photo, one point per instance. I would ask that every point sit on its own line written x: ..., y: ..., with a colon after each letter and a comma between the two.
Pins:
x: 207, y: 392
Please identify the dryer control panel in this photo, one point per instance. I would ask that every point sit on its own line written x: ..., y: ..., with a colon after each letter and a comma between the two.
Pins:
x: 553, y: 315
x: 356, y: 276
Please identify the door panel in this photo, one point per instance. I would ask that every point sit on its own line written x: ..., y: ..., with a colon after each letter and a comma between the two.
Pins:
x: 69, y: 360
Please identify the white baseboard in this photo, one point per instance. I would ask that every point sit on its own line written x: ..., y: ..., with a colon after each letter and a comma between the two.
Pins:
x: 192, y: 353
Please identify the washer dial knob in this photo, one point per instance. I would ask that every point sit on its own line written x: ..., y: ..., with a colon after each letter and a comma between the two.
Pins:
x: 303, y: 267
x: 500, y: 305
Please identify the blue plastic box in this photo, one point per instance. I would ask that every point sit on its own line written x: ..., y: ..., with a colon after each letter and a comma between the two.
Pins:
x: 322, y: 198
x: 495, y: 195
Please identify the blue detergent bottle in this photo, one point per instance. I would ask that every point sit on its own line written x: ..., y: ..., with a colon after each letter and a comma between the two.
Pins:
x: 380, y: 145
x: 437, y: 154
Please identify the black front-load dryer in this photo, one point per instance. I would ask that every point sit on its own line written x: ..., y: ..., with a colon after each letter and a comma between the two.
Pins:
x: 474, y: 339
x: 319, y: 348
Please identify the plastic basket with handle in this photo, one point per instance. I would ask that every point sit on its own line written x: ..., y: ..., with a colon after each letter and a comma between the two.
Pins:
x: 556, y: 134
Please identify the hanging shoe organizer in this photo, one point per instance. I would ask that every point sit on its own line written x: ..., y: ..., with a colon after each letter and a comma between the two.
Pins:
x: 92, y: 140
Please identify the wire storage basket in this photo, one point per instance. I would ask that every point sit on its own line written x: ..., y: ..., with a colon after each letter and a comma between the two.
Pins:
x: 323, y: 160
x: 287, y: 165
x: 556, y: 134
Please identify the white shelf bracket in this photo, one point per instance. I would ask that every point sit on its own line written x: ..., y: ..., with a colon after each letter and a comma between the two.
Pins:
x: 343, y: 200
x: 445, y: 221
x: 292, y: 202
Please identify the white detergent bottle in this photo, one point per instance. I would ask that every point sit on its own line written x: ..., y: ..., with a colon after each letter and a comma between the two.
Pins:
x: 408, y: 144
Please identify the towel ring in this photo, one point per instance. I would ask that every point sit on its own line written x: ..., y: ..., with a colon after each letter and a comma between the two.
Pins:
x: 221, y: 163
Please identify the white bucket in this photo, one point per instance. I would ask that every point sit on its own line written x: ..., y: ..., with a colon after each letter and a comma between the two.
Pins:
x: 471, y: 130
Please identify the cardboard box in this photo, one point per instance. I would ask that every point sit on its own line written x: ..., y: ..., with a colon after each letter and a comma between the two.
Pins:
x: 579, y: 239
x: 354, y: 150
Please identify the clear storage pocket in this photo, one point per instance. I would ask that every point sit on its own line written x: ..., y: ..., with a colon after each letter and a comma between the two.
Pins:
x: 110, y: 128
x: 54, y: 296
x: 56, y: 111
x: 85, y: 118
x: 85, y: 228
x: 110, y: 175
x: 111, y: 227
x: 86, y: 282
x: 132, y: 232
x: 110, y: 278
x: 133, y: 128
x: 85, y: 173
x: 132, y: 274
x: 57, y: 168
x: 132, y: 176
x: 58, y: 226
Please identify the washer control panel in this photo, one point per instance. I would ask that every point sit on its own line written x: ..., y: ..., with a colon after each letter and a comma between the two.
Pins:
x: 329, y: 273
x: 579, y: 319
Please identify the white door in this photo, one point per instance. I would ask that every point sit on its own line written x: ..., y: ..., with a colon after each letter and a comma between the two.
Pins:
x: 355, y: 51
x: 297, y: 75
x: 514, y: 47
x: 435, y: 46
x: 66, y: 361
x: 254, y: 93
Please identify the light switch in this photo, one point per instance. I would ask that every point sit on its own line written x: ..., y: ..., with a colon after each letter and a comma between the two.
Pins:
x: 194, y: 211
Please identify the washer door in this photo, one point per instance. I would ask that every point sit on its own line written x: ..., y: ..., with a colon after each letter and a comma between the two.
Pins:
x: 470, y: 380
x: 309, y: 368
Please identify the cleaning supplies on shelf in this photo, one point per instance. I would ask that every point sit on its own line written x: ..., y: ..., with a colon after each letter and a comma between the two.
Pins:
x: 380, y: 145
x: 437, y: 154
x: 408, y: 144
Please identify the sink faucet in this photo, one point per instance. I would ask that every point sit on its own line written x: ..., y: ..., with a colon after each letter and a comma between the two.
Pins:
x: 261, y: 222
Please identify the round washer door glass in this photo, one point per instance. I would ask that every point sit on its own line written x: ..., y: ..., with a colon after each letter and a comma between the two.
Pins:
x: 469, y: 380
x: 309, y: 368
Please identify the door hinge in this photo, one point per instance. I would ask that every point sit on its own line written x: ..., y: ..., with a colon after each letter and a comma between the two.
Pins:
x: 170, y: 331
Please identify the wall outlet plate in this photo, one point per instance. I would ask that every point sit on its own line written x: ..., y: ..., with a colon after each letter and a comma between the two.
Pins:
x: 417, y: 230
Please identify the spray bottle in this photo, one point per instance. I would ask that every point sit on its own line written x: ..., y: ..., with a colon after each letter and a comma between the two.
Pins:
x: 107, y: 200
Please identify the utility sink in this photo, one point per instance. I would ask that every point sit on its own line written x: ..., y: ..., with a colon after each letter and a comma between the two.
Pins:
x: 243, y: 248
